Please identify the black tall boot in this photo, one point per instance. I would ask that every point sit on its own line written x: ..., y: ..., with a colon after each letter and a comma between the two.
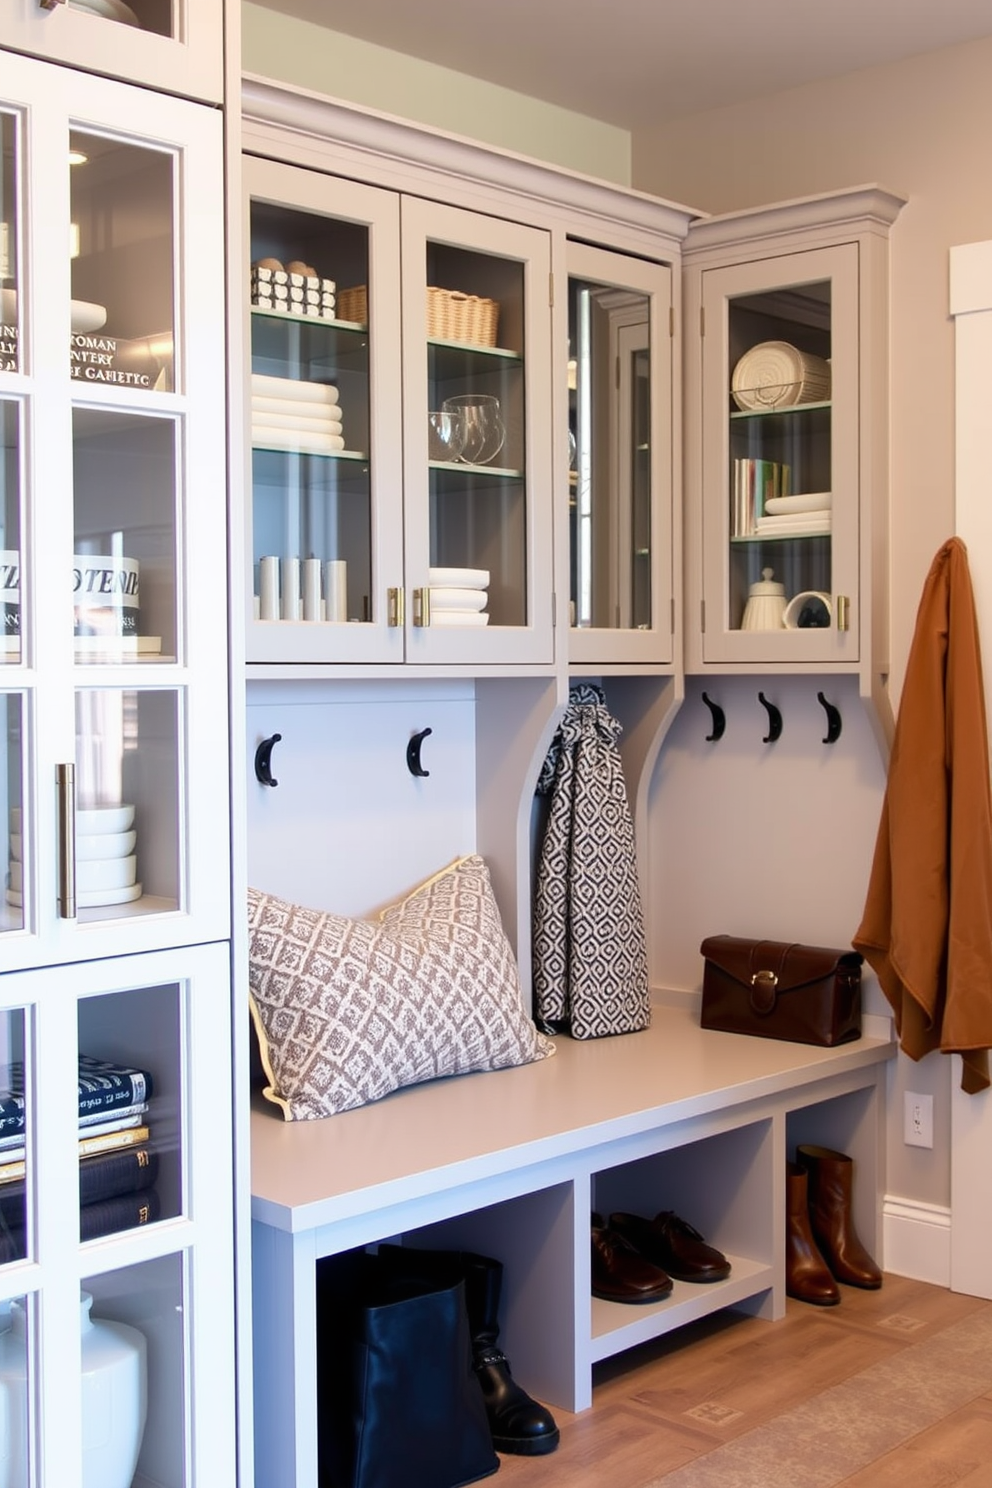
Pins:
x: 518, y: 1423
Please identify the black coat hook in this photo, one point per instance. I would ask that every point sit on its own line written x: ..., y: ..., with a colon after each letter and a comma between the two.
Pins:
x: 833, y: 719
x: 413, y: 753
x: 263, y: 761
x: 774, y: 720
x: 719, y: 718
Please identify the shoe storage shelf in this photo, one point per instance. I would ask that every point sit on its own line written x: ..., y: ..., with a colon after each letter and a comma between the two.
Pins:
x: 672, y: 1119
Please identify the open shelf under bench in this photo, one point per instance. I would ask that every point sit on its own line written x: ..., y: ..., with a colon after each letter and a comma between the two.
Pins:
x: 512, y: 1163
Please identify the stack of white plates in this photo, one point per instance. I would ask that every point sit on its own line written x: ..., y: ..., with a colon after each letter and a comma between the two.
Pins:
x: 287, y: 414
x: 774, y: 374
x: 459, y: 596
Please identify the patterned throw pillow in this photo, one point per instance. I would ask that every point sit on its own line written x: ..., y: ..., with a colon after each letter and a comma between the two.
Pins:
x: 348, y: 1010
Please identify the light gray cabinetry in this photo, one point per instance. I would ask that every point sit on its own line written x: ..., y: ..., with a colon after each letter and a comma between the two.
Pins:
x: 786, y: 459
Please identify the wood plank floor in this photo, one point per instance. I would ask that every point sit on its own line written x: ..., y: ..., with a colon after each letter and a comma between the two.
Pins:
x: 891, y: 1389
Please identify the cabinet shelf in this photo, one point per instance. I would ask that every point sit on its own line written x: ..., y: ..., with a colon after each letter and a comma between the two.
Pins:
x: 766, y: 413
x: 354, y: 456
x: 486, y: 472
x: 450, y: 356
x: 317, y: 322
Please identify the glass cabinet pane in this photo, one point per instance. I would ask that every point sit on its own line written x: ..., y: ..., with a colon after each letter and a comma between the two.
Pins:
x: 130, y: 1170
x: 17, y: 1371
x: 145, y: 15
x: 310, y: 420
x: 609, y: 456
x: 134, y: 1404
x: 476, y: 437
x: 122, y: 246
x: 125, y: 540
x: 127, y: 801
x: 15, y: 1102
x: 9, y: 203
x: 779, y: 504
x: 10, y: 530
x: 14, y: 840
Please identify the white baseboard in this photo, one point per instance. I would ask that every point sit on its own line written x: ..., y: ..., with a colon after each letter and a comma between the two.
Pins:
x: 916, y: 1240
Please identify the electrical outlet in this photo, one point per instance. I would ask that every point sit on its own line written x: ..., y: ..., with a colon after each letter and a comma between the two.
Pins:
x: 918, y: 1120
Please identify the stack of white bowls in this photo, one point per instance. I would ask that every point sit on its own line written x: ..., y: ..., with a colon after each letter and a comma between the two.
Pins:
x: 106, y: 863
x: 459, y: 596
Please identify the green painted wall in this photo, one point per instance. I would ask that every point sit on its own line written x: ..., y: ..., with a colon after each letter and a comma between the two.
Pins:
x: 324, y: 61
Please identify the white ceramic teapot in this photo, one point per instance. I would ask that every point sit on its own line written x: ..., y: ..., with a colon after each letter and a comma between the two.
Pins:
x: 765, y: 608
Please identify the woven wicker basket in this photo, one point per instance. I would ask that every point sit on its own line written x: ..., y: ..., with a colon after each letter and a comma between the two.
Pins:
x: 453, y: 316
x: 353, y: 304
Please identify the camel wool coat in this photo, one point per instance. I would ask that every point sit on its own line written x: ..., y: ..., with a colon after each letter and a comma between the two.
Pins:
x: 927, y: 923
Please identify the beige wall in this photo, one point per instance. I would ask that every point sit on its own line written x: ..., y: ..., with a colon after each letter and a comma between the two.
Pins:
x: 922, y: 127
x: 325, y: 61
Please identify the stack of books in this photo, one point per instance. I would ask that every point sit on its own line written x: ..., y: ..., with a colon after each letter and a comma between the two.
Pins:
x: 756, y: 483
x: 117, y: 1168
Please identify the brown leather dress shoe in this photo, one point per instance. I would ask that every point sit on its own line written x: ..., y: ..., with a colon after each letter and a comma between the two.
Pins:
x: 619, y: 1274
x: 671, y: 1243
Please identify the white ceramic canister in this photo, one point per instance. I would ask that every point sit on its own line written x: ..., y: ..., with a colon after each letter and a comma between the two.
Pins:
x: 765, y: 608
x: 114, y: 1399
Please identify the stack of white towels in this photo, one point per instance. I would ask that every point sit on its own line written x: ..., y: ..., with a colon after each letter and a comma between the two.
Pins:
x: 287, y: 414
x: 459, y: 596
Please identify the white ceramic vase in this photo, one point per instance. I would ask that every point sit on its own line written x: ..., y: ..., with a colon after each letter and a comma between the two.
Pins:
x: 114, y: 1399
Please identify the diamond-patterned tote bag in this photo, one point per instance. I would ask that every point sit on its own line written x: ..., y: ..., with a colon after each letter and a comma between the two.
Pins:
x: 590, y: 956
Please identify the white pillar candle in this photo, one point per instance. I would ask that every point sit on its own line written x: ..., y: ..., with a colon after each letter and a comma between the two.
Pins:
x: 268, y: 587
x: 290, y: 575
x: 336, y: 589
x: 311, y: 588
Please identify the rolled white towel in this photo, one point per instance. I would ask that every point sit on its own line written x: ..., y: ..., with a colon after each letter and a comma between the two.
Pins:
x: 458, y: 599
x: 265, y: 437
x: 293, y: 389
x: 295, y: 421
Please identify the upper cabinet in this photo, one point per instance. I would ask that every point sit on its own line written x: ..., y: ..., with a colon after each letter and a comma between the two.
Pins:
x: 173, y: 45
x: 400, y: 396
x: 112, y: 520
x: 623, y: 528
x: 786, y: 400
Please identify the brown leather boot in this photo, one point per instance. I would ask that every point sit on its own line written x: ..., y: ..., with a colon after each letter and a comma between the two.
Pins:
x: 830, y: 1178
x: 807, y: 1276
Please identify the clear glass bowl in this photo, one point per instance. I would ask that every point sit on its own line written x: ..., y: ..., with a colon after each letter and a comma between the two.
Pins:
x: 483, y: 426
x: 445, y: 435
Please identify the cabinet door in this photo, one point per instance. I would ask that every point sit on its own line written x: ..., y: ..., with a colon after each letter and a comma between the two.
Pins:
x: 620, y: 479
x: 113, y: 409
x: 477, y: 439
x: 115, y: 1151
x: 780, y: 459
x: 325, y: 417
x: 175, y: 45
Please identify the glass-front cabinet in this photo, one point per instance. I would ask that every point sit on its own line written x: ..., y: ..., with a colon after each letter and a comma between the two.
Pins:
x: 116, y: 1093
x: 786, y: 459
x: 400, y: 475
x: 113, y: 519
x: 621, y: 520
x: 781, y: 548
x: 116, y: 1250
x: 175, y: 45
